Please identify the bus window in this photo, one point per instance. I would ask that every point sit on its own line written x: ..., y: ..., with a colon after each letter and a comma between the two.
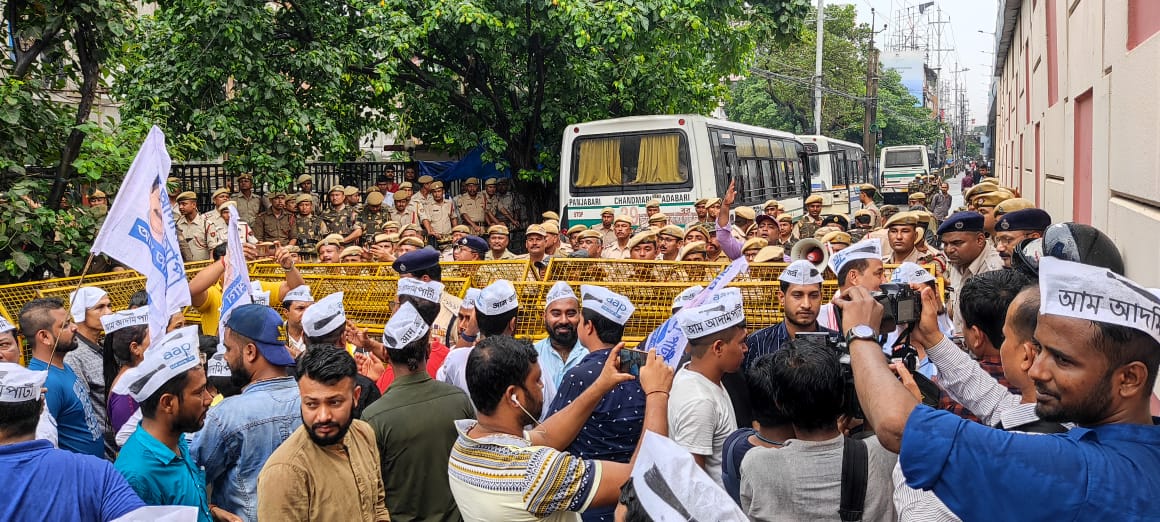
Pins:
x: 904, y: 158
x: 761, y: 148
x: 768, y: 178
x: 752, y: 181
x: 744, y: 146
x: 632, y: 159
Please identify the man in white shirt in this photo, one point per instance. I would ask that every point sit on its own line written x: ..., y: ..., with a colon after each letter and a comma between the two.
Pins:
x: 857, y: 265
x: 700, y: 412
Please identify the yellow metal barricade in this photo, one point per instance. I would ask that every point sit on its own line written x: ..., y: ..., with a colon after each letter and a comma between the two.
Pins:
x: 119, y: 290
x: 483, y: 273
x: 629, y: 270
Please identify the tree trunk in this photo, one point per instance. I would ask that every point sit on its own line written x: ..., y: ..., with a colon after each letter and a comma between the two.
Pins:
x: 86, y: 49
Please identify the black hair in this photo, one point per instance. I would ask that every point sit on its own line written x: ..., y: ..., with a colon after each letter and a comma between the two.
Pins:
x: 1026, y: 316
x: 759, y: 381
x: 435, y: 273
x: 18, y: 419
x: 698, y: 346
x: 207, y: 344
x: 984, y: 299
x: 325, y: 363
x: 494, y: 364
x: 426, y: 309
x: 808, y: 386
x: 858, y: 264
x: 490, y: 325
x: 35, y: 317
x: 608, y: 331
x: 174, y: 386
x: 414, y: 354
x: 138, y: 299
x: 116, y: 351
x: 1122, y: 345
x: 219, y: 251
x: 634, y: 510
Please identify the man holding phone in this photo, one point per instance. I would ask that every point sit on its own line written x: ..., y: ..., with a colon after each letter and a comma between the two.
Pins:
x: 613, y: 429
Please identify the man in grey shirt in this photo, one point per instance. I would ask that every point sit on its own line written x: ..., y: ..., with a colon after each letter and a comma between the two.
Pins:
x: 803, y: 479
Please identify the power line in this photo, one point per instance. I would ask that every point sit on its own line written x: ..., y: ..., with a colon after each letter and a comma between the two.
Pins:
x: 808, y: 82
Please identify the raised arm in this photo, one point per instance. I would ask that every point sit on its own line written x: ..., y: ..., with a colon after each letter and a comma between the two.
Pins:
x: 560, y: 429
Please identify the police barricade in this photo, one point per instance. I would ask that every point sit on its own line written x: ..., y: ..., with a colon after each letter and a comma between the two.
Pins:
x: 483, y: 273
x: 267, y: 271
x: 629, y: 270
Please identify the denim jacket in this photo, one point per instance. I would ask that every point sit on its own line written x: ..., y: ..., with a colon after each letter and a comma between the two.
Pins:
x: 239, y: 435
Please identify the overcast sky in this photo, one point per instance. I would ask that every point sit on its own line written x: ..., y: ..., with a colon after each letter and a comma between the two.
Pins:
x: 972, y: 50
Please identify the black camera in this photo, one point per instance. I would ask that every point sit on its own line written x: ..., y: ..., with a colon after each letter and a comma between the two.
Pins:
x: 901, y: 305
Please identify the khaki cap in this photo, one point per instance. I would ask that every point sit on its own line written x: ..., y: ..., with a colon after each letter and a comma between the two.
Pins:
x: 188, y: 195
x: 219, y: 192
x: 351, y: 191
x: 712, y: 201
x: 1013, y: 204
x: 336, y: 188
x: 350, y: 251
x: 537, y: 230
x: 607, y: 210
x: 696, y: 247
x: 424, y: 179
x: 770, y: 254
x: 622, y: 218
x: 490, y: 181
x: 648, y: 236
x: 277, y: 194
x: 471, y: 181
x: 461, y: 228
x: 981, y: 188
x: 375, y: 199
x: 498, y: 229
x: 991, y: 199
x: 391, y: 224
x: 671, y: 230
x: 837, y: 236
x: 866, y: 187
x: 659, y: 217
x: 403, y: 195
x: 773, y: 203
x: 551, y: 227
x: 653, y: 203
x: 99, y: 194
x: 989, y: 179
x: 550, y: 215
x: 304, y: 178
x: 917, y: 196
x: 246, y: 175
x: 593, y: 234
x: 303, y: 198
x: 902, y: 218
x: 699, y: 228
x: 813, y: 199
x: 382, y: 238
x: 413, y: 241
x: 331, y: 239
x: 701, y: 202
x: 746, y: 213
x: 756, y: 243
x: 785, y: 217
x: 406, y: 185
x: 293, y: 249
x: 863, y: 212
x: 414, y: 227
x: 436, y: 185
x: 226, y: 204
x: 575, y: 229
x: 171, y: 180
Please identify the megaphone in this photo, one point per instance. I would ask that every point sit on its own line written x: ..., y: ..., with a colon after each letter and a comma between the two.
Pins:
x: 811, y: 250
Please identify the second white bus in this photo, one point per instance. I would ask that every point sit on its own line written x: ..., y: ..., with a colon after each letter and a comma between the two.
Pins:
x: 838, y: 168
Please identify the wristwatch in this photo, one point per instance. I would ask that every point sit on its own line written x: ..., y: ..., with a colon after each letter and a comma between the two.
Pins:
x: 861, y: 332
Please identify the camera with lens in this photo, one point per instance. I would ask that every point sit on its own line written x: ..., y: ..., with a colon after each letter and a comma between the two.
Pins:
x: 834, y: 342
x: 900, y: 305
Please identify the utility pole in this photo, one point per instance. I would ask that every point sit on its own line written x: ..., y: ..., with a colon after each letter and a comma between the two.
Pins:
x: 869, y: 132
x: 818, y: 69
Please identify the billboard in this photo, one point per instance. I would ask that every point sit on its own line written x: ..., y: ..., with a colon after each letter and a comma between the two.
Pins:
x: 909, y: 65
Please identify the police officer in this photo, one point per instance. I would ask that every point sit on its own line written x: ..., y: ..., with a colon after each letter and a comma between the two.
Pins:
x: 305, y: 185
x: 472, y: 206
x: 373, y: 216
x: 341, y: 219
x: 811, y: 220
x: 498, y: 239
x: 1013, y: 227
x: 249, y: 205
x: 274, y: 223
x: 191, y: 236
x: 308, y: 228
x: 915, y: 184
x: 441, y: 215
x: 215, y: 226
x: 969, y: 253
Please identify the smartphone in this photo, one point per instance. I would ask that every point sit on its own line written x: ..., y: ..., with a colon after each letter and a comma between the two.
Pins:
x: 265, y: 249
x: 631, y: 361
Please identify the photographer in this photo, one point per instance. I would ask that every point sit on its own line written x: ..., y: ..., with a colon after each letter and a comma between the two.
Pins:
x: 1094, y: 367
x: 804, y: 479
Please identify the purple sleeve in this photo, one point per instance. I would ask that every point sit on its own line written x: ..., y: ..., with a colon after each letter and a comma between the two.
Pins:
x: 729, y: 245
x: 121, y: 407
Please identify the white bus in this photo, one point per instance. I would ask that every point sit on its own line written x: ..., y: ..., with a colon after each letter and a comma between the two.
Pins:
x: 838, y: 168
x: 624, y: 162
x: 898, y: 166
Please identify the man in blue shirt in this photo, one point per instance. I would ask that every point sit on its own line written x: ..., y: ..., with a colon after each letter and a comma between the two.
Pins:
x: 170, y: 386
x: 613, y: 429
x: 561, y: 350
x: 1098, y: 351
x: 51, y: 333
x: 800, y: 296
x: 42, y: 482
x: 242, y: 431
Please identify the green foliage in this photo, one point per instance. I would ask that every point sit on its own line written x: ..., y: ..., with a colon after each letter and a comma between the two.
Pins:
x: 32, y: 127
x: 266, y: 85
x: 901, y: 120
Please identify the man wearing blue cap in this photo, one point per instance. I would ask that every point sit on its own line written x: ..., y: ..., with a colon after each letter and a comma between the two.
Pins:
x: 970, y: 254
x: 470, y: 248
x: 1013, y: 227
x: 424, y: 264
x: 242, y: 431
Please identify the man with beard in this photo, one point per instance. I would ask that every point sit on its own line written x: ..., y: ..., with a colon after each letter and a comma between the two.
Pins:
x: 669, y: 239
x: 1093, y: 366
x: 88, y: 304
x: 170, y: 386
x: 561, y: 350
x: 51, y: 332
x: 614, y: 427
x: 241, y: 432
x: 329, y: 467
x: 800, y: 296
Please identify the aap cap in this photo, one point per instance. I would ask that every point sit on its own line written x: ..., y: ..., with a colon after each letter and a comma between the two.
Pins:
x: 323, y: 317
x: 865, y: 249
x: 425, y: 290
x: 965, y: 221
x: 5, y: 326
x: 299, y: 293
x: 497, y: 298
x: 686, y: 296
x: 417, y: 261
x: 560, y: 290
x: 1095, y: 293
x: 724, y: 311
x: 259, y: 295
x: 19, y: 384
x: 607, y: 303
x: 911, y: 273
x: 216, y: 365
x: 475, y: 243
x: 177, y: 354
x: 469, y: 299
x: 118, y: 320
x: 260, y: 323
x: 1031, y: 219
x: 82, y: 299
x: 404, y: 327
x: 801, y: 272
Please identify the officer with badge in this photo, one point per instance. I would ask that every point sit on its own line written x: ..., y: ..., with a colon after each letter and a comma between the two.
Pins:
x: 472, y: 206
x: 308, y: 228
x: 1014, y: 227
x: 809, y: 223
x: 373, y: 216
x: 969, y: 253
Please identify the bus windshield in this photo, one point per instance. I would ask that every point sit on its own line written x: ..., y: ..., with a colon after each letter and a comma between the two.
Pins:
x: 656, y: 158
x: 904, y: 158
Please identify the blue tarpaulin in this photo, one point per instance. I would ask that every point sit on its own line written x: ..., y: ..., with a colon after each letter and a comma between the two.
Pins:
x: 470, y: 166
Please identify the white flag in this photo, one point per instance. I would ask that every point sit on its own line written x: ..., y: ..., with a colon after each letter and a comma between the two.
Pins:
x: 669, y: 340
x: 671, y: 486
x: 236, y: 279
x: 140, y: 233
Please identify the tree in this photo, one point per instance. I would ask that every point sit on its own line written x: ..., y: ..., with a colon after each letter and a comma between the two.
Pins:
x: 900, y: 115
x: 264, y: 85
